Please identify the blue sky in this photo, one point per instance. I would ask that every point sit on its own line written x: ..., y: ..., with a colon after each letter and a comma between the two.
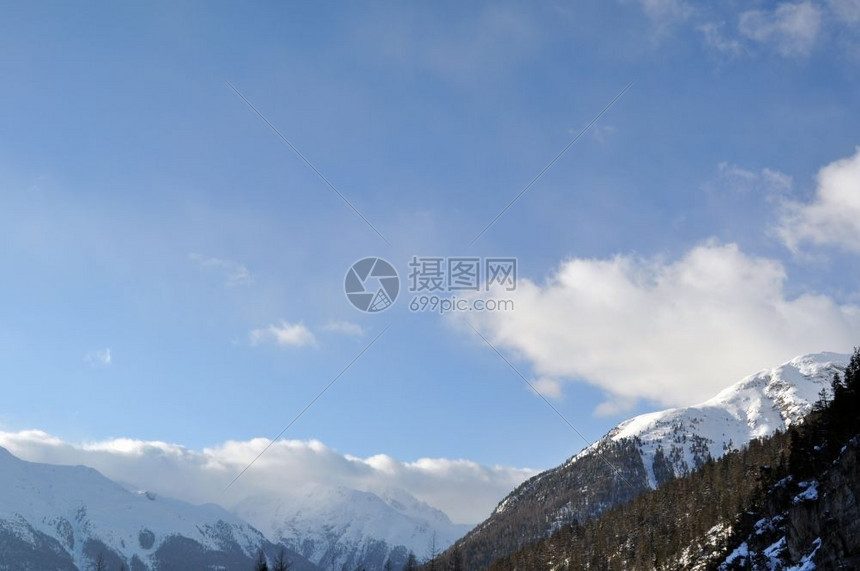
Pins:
x: 150, y: 216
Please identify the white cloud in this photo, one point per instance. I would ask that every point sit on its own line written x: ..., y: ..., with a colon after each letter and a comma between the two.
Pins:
x: 673, y: 332
x: 283, y: 334
x: 345, y: 328
x: 833, y: 215
x: 100, y: 357
x: 234, y: 273
x: 791, y: 29
x: 465, y: 490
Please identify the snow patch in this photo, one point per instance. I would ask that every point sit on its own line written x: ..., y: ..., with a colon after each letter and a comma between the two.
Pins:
x: 810, y: 492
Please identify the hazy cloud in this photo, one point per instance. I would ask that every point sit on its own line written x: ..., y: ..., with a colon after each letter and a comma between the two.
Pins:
x: 344, y: 328
x: 716, y: 39
x: 233, y: 273
x: 846, y: 11
x: 666, y: 12
x: 99, y: 357
x: 790, y: 29
x: 601, y: 133
x: 465, y: 490
x: 732, y: 178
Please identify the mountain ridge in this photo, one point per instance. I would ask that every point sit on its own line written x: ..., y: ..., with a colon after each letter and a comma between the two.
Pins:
x: 337, y: 527
x: 784, y: 501
x: 650, y: 450
x: 65, y: 517
x: 72, y: 516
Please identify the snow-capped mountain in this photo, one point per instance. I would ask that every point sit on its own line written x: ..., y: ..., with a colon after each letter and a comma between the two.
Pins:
x: 757, y: 406
x: 70, y: 517
x: 345, y: 528
x: 648, y: 450
x: 67, y: 517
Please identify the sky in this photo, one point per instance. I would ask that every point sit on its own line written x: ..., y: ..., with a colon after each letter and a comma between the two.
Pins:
x: 184, y: 187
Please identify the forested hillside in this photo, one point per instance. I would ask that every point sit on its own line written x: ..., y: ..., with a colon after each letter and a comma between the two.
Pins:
x: 786, y: 500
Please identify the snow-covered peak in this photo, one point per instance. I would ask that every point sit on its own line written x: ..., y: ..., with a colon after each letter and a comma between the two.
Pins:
x: 792, y: 387
x: 410, y: 506
x: 76, y: 504
x: 756, y: 406
x: 330, y: 525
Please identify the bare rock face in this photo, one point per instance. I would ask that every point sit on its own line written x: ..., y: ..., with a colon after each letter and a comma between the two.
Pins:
x: 830, y: 522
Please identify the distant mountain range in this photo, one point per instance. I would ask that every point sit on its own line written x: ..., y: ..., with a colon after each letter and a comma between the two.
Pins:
x: 68, y: 518
x: 71, y: 517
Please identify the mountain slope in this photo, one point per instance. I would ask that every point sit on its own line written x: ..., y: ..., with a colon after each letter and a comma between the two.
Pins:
x: 750, y: 510
x: 786, y: 501
x: 345, y: 528
x: 69, y: 517
x: 647, y: 451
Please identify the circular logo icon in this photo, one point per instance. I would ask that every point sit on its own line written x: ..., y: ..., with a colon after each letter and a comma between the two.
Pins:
x: 371, y: 285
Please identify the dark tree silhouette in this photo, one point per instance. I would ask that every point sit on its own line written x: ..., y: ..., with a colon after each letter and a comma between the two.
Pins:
x: 455, y: 561
x: 281, y: 563
x: 262, y: 564
x: 411, y: 562
x: 432, y: 553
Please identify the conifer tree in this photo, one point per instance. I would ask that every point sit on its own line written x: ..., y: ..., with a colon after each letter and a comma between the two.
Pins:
x: 262, y: 564
x: 281, y: 563
x: 411, y: 562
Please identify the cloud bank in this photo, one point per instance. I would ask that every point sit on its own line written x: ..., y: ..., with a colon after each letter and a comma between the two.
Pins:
x: 465, y: 490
